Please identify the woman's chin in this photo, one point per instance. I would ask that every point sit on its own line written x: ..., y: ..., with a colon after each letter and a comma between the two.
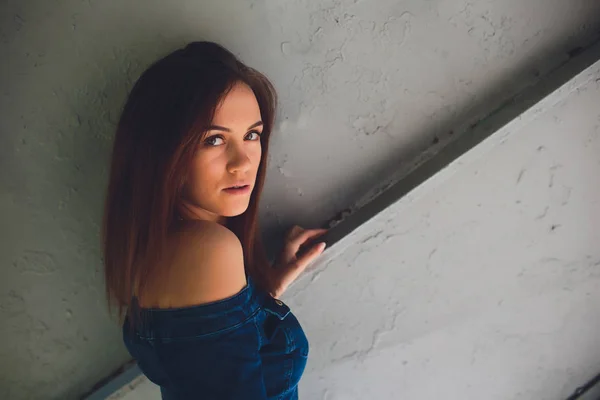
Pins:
x: 234, y: 212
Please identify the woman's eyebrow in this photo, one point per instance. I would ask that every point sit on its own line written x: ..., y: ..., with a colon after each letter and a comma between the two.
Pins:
x: 222, y: 128
x: 254, y: 125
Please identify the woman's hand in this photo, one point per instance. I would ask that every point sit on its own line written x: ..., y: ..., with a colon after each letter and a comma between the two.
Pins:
x: 290, y: 264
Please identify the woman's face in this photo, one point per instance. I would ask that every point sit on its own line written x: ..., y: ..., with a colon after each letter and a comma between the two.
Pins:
x: 229, y: 155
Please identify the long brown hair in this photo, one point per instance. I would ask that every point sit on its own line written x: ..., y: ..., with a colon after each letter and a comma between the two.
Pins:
x: 164, y: 119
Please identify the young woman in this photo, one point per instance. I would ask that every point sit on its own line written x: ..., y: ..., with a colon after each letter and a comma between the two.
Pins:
x: 184, y: 262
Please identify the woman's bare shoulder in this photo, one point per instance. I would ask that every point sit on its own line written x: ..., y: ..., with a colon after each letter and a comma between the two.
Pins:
x: 207, y: 265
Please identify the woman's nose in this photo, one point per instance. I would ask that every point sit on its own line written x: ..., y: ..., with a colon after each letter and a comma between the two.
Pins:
x: 239, y: 160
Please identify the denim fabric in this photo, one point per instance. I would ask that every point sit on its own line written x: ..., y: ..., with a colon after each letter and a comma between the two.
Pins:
x: 248, y: 346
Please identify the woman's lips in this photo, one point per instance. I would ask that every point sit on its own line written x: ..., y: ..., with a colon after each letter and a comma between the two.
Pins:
x: 241, y: 190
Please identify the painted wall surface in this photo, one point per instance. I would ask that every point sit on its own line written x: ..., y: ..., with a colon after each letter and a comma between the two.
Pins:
x: 482, y: 284
x: 365, y: 87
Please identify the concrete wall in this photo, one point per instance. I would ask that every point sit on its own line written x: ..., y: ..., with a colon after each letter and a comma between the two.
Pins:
x: 483, y: 283
x: 365, y: 88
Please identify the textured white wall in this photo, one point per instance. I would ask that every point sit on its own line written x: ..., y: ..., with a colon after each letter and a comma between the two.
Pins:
x: 483, y: 283
x: 365, y: 87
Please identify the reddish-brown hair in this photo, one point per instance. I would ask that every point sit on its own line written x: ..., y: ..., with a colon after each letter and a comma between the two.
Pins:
x: 163, y: 120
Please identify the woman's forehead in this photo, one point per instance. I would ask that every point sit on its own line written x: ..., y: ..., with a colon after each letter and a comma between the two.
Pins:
x: 238, y: 106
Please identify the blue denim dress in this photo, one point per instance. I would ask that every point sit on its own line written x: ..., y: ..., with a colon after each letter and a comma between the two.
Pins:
x: 248, y: 346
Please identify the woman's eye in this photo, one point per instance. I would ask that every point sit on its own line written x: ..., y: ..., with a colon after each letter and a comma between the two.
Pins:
x: 256, y: 133
x: 210, y: 140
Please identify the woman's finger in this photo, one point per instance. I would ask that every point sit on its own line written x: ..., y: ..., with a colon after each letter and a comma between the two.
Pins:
x: 305, y: 243
x: 306, y: 235
x: 294, y: 231
x: 303, y: 261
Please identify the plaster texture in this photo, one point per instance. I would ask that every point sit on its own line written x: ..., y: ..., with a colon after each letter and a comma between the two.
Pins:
x: 482, y: 283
